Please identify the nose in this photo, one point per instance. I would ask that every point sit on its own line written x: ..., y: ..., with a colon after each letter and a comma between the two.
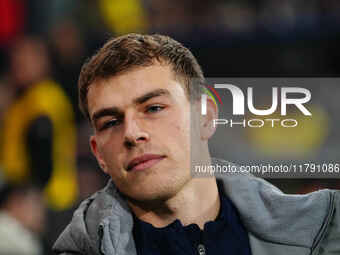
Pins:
x: 134, y: 133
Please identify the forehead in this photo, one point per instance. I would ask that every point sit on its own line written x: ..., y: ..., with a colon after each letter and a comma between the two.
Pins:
x: 122, y: 89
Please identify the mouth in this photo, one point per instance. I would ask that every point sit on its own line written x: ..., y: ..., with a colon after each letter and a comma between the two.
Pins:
x: 143, y: 162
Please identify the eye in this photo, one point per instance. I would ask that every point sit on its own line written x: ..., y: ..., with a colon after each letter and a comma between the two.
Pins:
x: 154, y: 108
x: 110, y: 123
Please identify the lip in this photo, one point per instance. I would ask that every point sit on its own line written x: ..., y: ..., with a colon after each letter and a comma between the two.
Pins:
x: 145, y: 161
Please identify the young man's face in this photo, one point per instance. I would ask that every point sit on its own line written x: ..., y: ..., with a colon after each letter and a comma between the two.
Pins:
x: 142, y: 131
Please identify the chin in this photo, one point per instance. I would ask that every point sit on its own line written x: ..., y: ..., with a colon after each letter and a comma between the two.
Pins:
x: 149, y: 193
x: 155, y: 191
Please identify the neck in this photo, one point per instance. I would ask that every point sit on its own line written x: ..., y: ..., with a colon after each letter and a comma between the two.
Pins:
x: 198, y: 202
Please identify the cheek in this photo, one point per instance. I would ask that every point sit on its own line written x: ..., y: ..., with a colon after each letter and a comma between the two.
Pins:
x: 178, y: 137
x: 184, y: 129
x: 176, y: 130
x: 109, y: 149
x: 109, y: 142
x: 180, y: 123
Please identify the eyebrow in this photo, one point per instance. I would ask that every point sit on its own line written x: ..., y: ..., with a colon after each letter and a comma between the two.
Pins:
x: 115, y: 111
x: 155, y: 93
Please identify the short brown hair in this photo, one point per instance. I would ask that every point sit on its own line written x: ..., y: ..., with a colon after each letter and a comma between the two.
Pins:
x: 132, y: 50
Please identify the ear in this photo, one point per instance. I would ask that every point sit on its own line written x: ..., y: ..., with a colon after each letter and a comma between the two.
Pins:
x: 207, y: 120
x: 96, y: 153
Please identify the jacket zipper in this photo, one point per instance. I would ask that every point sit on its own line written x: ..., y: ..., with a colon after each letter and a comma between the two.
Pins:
x: 201, y: 247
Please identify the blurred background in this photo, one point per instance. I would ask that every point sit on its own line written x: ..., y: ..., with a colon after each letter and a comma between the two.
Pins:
x: 45, y: 161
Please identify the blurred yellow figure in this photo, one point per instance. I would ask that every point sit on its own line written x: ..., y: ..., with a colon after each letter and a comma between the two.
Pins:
x: 39, y: 136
